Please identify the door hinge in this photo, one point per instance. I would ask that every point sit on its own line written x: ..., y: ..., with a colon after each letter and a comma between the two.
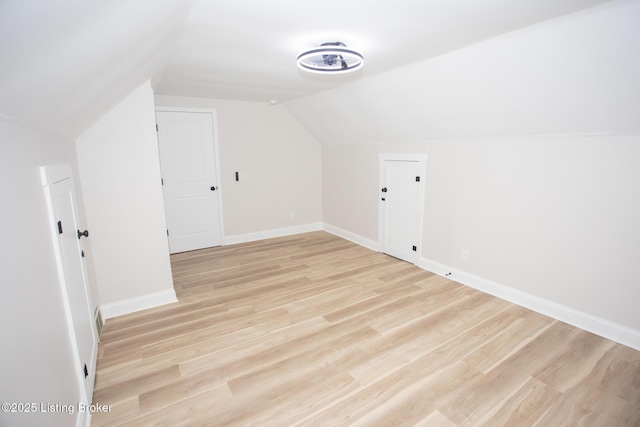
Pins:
x: 85, y: 371
x: 161, y: 181
x: 417, y: 179
x: 415, y: 248
x: 156, y: 127
x: 59, y: 227
x: 167, y: 232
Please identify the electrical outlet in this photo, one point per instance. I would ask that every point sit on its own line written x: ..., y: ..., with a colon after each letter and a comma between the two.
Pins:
x: 464, y: 255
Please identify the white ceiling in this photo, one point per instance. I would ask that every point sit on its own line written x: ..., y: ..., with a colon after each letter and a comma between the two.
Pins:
x: 65, y: 63
x: 246, y: 49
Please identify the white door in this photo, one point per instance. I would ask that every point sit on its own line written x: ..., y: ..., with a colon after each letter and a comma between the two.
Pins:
x: 190, y: 184
x: 401, y: 208
x: 72, y: 273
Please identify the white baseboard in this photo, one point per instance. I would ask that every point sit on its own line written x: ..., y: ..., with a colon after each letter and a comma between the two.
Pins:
x: 352, y: 237
x: 602, y: 327
x: 84, y: 419
x: 269, y: 234
x: 143, y: 302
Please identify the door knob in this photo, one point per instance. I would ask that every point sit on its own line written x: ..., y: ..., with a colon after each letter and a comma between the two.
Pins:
x: 384, y: 190
x: 213, y: 188
x: 84, y: 233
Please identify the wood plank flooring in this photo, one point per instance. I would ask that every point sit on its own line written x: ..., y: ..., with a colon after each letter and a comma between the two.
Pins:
x: 312, y: 330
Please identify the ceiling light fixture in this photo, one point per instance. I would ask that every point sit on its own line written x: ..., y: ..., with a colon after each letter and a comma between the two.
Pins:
x: 330, y: 58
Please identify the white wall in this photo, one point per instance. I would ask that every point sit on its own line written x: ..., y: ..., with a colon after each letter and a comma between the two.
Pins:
x: 120, y: 177
x: 552, y: 217
x: 36, y: 362
x: 278, y: 160
x: 555, y: 217
x: 532, y: 141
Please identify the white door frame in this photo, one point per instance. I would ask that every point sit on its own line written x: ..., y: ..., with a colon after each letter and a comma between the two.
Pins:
x: 51, y: 175
x: 214, y: 119
x: 421, y: 158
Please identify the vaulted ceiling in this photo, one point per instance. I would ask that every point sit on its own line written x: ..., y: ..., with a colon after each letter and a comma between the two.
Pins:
x: 65, y: 63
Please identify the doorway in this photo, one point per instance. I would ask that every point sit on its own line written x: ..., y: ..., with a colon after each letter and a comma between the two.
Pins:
x: 401, y: 205
x: 190, y: 179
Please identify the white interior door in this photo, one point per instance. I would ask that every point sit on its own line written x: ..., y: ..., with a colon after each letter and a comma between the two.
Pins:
x: 190, y: 184
x: 72, y: 274
x: 400, y: 208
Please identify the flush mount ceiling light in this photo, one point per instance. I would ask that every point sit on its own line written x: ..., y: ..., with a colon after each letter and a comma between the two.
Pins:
x: 330, y: 58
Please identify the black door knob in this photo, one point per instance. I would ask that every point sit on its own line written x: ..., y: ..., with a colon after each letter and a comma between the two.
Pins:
x: 213, y: 188
x: 84, y: 233
x: 384, y: 190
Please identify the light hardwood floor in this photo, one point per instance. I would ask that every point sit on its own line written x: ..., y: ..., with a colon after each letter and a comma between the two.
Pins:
x: 312, y: 330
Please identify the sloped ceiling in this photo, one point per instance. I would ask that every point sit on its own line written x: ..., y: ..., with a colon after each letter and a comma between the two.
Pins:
x: 66, y: 63
x: 574, y: 75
